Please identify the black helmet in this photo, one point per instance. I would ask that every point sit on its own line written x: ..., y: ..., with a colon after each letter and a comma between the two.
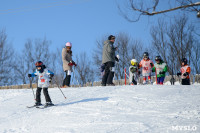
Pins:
x: 184, y: 60
x: 40, y: 64
x: 158, y: 58
x: 146, y: 54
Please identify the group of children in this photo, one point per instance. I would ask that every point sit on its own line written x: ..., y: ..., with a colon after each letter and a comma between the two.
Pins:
x: 160, y: 68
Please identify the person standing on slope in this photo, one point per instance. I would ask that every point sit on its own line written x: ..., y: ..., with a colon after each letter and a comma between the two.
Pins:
x: 160, y: 68
x: 44, y: 77
x: 67, y: 63
x: 134, y: 72
x: 185, y: 72
x: 108, y: 59
x: 146, y: 64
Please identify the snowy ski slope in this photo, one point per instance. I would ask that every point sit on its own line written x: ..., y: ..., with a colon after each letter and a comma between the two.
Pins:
x: 118, y: 109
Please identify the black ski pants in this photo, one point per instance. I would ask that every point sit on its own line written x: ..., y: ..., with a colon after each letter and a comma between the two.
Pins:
x: 109, y: 74
x: 67, y: 79
x: 185, y: 81
x: 46, y: 94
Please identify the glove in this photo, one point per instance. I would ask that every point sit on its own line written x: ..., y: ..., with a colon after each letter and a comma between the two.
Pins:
x: 161, y: 72
x: 139, y: 72
x: 70, y: 63
x: 179, y: 74
x: 29, y: 75
x: 51, y: 75
x: 151, y: 64
x: 116, y: 59
x: 74, y: 63
x: 185, y: 74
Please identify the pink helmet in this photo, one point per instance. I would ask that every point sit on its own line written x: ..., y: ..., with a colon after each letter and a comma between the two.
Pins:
x: 68, y: 44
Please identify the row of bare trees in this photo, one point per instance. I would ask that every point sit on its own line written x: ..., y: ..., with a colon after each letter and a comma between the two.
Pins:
x: 176, y: 40
x: 171, y: 40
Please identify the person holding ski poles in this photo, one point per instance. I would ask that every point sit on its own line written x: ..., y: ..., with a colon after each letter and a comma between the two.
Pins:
x: 108, y: 59
x: 44, y: 77
x: 184, y: 72
x: 160, y: 68
x: 67, y: 63
x: 146, y: 64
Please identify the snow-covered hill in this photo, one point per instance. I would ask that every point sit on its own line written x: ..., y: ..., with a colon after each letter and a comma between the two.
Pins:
x: 119, y: 109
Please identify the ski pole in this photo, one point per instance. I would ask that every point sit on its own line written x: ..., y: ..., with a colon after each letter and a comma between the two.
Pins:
x: 32, y: 88
x: 75, y: 76
x: 60, y: 89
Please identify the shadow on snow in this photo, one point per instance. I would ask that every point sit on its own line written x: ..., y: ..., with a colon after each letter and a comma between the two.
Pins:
x: 87, y: 100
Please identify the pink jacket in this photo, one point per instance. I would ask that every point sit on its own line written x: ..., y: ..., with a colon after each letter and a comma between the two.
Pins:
x: 146, y: 67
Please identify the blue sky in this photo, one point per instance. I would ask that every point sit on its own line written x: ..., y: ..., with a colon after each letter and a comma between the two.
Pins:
x: 81, y: 22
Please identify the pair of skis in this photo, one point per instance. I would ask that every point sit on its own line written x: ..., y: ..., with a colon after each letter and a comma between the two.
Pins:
x: 40, y: 107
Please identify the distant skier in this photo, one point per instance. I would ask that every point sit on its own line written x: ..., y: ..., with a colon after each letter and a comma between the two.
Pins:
x: 134, y: 72
x: 184, y: 72
x: 146, y: 64
x: 67, y: 63
x: 44, y: 77
x: 160, y: 68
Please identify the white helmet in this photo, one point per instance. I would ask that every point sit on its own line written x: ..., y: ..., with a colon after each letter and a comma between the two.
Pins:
x: 68, y: 44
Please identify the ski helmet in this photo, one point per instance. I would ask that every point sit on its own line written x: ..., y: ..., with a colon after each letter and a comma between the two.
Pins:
x: 68, y: 44
x: 158, y: 58
x: 134, y: 62
x: 146, y: 54
x: 184, y: 60
x: 40, y: 64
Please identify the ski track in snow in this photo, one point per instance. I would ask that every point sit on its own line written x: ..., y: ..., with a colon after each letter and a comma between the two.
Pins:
x: 118, y: 109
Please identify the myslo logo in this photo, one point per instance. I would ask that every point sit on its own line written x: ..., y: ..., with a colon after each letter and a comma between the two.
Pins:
x: 184, y: 128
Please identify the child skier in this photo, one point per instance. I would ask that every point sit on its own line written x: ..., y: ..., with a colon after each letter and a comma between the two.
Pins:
x: 134, y: 72
x: 185, y: 72
x: 44, y: 77
x: 146, y: 64
x: 160, y: 68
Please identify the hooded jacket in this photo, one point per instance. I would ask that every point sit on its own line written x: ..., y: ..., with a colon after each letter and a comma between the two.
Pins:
x: 108, y: 52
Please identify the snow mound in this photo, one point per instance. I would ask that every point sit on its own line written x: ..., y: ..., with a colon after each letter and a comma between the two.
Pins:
x: 118, y: 109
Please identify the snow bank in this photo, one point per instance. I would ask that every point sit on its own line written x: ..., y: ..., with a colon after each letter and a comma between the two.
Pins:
x: 119, y: 109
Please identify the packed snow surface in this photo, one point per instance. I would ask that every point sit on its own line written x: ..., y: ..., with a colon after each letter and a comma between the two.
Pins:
x: 116, y: 109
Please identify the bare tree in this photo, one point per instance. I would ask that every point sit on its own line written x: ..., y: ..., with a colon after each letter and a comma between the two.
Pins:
x: 140, y: 8
x: 123, y: 42
x: 97, y: 55
x: 33, y: 51
x: 174, y: 41
x: 196, y: 58
x: 6, y: 60
x: 57, y: 67
x: 84, y: 69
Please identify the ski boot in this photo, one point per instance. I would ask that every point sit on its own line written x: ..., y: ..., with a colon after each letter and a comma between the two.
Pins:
x: 48, y: 104
x: 37, y: 104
